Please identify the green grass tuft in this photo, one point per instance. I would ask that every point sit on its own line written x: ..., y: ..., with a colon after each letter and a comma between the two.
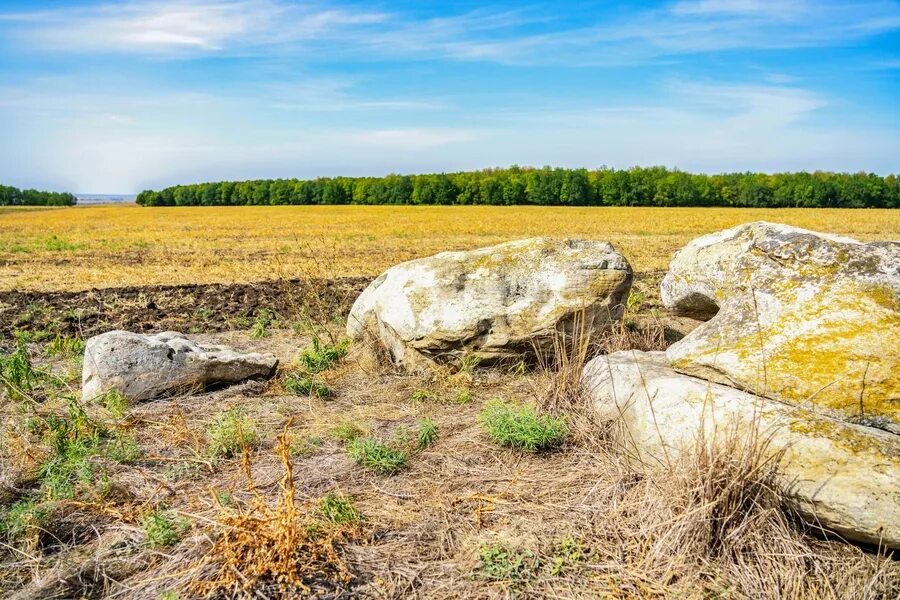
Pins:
x: 65, y: 346
x: 423, y: 395
x: 305, y: 446
x: 264, y: 320
x: 346, y: 432
x: 426, y: 432
x: 230, y: 432
x: 21, y: 520
x: 57, y: 244
x: 522, y: 427
x: 463, y: 396
x: 377, y: 456
x: 319, y: 357
x: 17, y: 375
x: 339, y: 510
x: 302, y: 384
x: 469, y: 363
x: 124, y: 448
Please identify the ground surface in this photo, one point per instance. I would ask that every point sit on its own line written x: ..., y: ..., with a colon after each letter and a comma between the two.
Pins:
x: 463, y: 517
x: 118, y: 246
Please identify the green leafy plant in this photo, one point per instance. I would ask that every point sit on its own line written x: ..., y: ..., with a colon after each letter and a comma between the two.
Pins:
x: 497, y: 562
x: 164, y: 528
x: 522, y: 427
x: 378, y: 456
x: 73, y: 441
x: 423, y: 395
x: 570, y: 555
x: 264, y: 320
x: 635, y: 299
x: 17, y: 375
x: 224, y: 498
x: 463, y: 396
x: 339, y: 510
x: 230, y: 432
x: 115, y: 402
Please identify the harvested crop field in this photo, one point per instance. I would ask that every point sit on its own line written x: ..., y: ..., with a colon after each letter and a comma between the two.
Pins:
x: 73, y: 249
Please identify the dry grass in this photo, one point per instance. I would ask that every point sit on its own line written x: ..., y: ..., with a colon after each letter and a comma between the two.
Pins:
x: 103, y: 246
x: 466, y: 518
x: 277, y: 549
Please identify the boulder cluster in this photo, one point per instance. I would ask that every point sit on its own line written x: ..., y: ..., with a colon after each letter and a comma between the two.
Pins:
x: 799, y: 349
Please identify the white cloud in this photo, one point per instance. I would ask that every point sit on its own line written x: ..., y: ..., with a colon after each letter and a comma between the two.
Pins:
x: 333, y: 30
x: 178, y: 27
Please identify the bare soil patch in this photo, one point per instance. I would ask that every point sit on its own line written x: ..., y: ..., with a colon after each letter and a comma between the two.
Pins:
x: 187, y: 308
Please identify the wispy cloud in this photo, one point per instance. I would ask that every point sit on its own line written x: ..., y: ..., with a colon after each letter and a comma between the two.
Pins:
x: 524, y: 36
x: 175, y: 27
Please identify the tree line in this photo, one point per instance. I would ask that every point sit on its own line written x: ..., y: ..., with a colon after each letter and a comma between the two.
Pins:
x: 11, y: 196
x: 653, y: 186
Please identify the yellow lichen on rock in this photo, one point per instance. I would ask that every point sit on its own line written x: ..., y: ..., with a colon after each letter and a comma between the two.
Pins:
x: 802, y: 318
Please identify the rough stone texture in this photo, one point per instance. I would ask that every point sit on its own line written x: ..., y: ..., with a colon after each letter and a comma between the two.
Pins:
x: 803, y: 317
x: 841, y: 476
x: 494, y: 303
x: 143, y: 367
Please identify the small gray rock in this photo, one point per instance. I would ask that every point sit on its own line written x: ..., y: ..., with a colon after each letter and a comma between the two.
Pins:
x: 143, y: 367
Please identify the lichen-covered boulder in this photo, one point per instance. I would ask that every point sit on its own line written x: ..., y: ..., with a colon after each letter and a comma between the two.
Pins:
x: 493, y: 303
x: 798, y: 316
x: 143, y: 367
x: 840, y: 476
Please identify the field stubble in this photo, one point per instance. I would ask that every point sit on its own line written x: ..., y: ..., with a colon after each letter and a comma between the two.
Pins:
x: 80, y: 248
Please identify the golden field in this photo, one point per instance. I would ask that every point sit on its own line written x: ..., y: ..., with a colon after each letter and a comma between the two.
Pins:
x: 79, y: 248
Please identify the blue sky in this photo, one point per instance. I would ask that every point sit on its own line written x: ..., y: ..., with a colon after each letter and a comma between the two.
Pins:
x: 119, y: 96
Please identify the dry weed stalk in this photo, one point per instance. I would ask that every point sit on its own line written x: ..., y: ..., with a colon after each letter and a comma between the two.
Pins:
x: 278, y: 548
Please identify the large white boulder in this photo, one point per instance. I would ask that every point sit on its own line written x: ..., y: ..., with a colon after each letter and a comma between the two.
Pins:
x: 798, y: 316
x: 493, y: 303
x: 837, y: 475
x: 143, y: 367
